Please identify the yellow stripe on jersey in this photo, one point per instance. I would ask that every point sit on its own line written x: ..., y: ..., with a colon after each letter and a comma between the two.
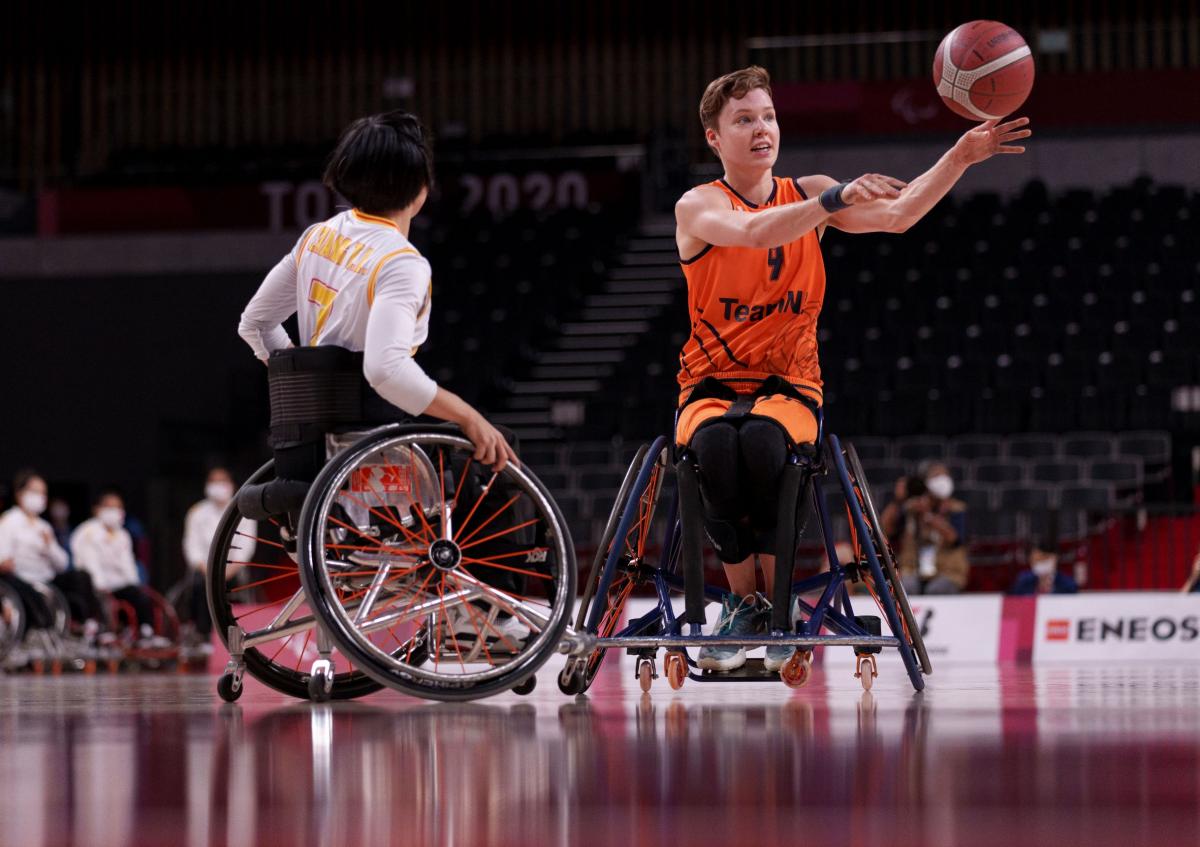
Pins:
x: 378, y: 268
x: 322, y: 295
x: 375, y: 219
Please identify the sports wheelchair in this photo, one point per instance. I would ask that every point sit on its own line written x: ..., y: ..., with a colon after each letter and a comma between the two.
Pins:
x: 625, y: 563
x: 404, y: 563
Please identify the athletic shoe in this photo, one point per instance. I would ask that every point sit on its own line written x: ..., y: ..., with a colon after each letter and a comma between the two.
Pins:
x: 739, y: 616
x: 506, y: 631
x: 777, y: 656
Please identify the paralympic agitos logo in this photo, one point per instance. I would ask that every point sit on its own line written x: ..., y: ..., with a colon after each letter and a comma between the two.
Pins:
x: 1092, y: 630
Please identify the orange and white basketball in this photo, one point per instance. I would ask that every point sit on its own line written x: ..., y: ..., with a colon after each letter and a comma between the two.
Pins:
x: 983, y: 70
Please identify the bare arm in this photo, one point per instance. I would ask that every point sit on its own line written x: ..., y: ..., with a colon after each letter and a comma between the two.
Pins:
x: 924, y: 192
x: 703, y: 215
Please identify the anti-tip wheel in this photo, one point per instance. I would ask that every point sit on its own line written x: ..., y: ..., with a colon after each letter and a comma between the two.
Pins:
x: 228, y: 688
x: 675, y: 666
x: 525, y: 686
x: 320, y: 685
x: 645, y: 674
x: 570, y: 679
x: 866, y: 671
x: 797, y: 671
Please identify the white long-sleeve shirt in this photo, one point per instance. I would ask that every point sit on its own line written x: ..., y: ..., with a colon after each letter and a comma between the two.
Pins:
x: 199, y: 528
x: 106, y: 554
x: 356, y: 282
x: 29, y: 542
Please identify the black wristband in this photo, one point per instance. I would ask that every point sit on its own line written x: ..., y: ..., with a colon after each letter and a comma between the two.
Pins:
x: 831, y: 198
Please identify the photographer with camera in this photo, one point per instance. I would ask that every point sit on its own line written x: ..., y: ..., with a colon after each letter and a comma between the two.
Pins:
x: 927, y: 527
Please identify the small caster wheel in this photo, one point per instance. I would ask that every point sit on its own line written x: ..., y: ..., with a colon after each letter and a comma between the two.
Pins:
x: 229, y: 687
x: 675, y: 667
x: 645, y: 674
x: 570, y: 678
x: 320, y: 682
x: 797, y: 671
x: 865, y: 670
x: 525, y: 686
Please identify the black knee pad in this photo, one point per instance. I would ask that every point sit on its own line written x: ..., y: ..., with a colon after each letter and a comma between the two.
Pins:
x: 715, y: 446
x: 763, y: 450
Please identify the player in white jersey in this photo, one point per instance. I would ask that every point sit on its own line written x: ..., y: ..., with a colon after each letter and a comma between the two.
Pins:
x: 356, y: 282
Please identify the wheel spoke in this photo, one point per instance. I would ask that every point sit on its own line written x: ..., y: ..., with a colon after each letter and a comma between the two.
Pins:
x: 497, y: 514
x: 502, y: 532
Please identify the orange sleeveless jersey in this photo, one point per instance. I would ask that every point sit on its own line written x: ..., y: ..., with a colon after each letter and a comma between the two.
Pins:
x: 754, y: 311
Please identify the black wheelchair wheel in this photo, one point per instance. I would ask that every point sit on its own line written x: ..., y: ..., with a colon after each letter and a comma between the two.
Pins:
x: 620, y: 564
x: 887, y: 558
x: 263, y: 596
x: 404, y: 536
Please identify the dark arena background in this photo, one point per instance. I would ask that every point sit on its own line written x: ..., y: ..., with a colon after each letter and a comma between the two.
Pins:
x: 1035, y: 338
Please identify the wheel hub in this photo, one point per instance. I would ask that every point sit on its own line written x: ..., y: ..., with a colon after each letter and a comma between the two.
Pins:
x: 445, y: 554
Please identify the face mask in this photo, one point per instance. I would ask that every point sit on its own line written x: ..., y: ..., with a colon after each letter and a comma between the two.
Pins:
x: 940, y: 486
x: 33, y: 502
x: 218, y: 492
x: 111, y: 517
x: 1046, y: 566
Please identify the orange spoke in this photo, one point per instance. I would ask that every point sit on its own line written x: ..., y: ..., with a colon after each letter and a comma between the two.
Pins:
x: 259, y: 540
x: 498, y: 513
x: 511, y: 529
x: 285, y: 643
x: 463, y: 478
x: 292, y: 567
x: 471, y: 613
x: 379, y: 545
x: 512, y: 555
x: 409, y: 534
x: 303, y: 647
x: 483, y: 493
x: 488, y: 564
x: 483, y: 586
x: 416, y: 507
x: 392, y: 551
x: 268, y: 605
x: 250, y: 585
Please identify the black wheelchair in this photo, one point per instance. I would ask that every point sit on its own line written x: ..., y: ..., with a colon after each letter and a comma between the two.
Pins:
x: 626, y: 563
x: 403, y: 563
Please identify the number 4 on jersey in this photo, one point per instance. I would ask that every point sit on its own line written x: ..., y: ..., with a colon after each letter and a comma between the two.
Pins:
x: 775, y: 260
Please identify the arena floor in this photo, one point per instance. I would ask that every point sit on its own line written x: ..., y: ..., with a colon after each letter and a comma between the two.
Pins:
x: 986, y: 755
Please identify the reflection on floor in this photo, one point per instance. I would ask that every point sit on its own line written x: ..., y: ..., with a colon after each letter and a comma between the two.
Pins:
x: 986, y: 755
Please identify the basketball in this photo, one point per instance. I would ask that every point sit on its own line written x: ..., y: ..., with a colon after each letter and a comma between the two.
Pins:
x: 983, y: 70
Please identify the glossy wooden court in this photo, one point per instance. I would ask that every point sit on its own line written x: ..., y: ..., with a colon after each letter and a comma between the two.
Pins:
x: 985, y: 756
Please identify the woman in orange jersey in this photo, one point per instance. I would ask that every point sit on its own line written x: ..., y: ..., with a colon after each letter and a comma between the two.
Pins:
x: 750, y: 248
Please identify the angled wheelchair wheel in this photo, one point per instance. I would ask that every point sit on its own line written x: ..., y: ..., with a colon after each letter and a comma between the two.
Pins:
x: 254, y: 584
x: 408, y: 546
x: 12, y: 619
x: 618, y: 566
x: 881, y: 577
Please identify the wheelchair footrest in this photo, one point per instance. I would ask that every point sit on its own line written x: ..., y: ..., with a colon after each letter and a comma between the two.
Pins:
x: 873, y: 626
x: 752, y: 671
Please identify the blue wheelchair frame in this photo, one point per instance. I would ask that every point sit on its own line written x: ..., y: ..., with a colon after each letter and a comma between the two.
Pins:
x: 833, y: 611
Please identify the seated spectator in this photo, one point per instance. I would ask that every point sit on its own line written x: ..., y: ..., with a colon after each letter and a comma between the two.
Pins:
x: 1193, y: 582
x: 1042, y: 576
x: 30, y: 556
x: 929, y: 530
x: 200, y: 527
x: 103, y: 548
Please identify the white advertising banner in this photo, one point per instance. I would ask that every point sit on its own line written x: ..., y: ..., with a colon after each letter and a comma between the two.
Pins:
x: 961, y: 628
x: 1119, y: 625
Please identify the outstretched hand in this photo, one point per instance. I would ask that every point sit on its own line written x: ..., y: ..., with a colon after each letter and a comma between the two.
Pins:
x: 990, y: 138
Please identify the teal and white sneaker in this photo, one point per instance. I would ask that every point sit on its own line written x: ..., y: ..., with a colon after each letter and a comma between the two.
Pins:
x: 777, y: 656
x: 739, y: 616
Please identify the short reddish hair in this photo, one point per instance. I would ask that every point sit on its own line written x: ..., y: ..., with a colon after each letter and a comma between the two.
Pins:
x: 732, y: 86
